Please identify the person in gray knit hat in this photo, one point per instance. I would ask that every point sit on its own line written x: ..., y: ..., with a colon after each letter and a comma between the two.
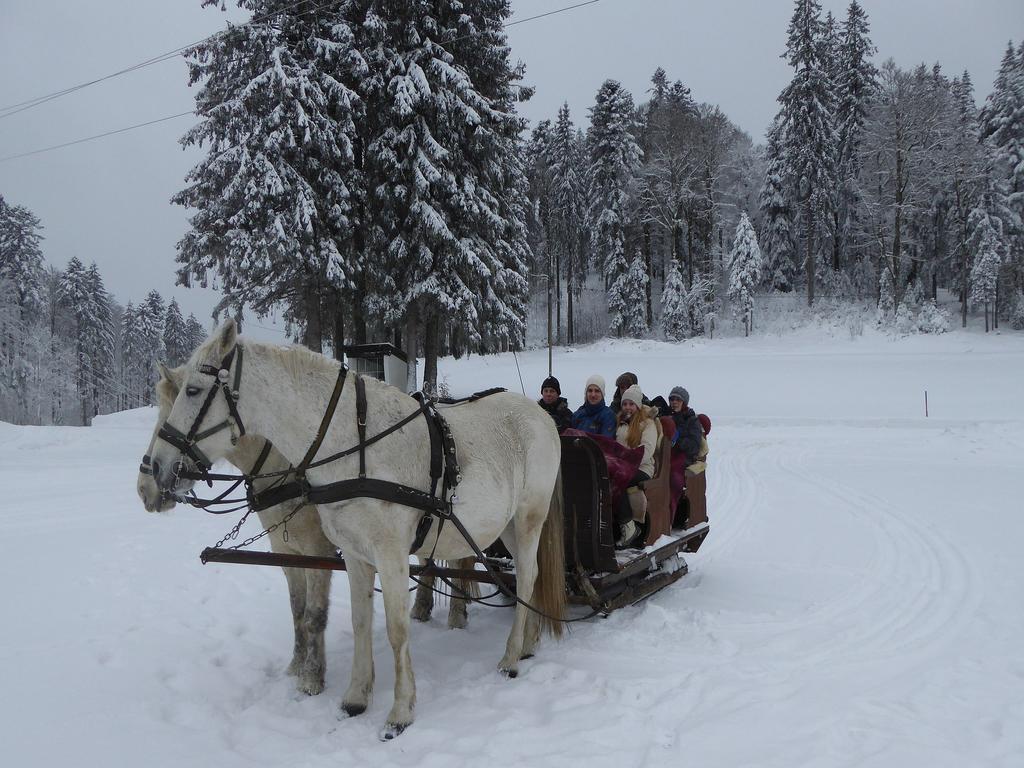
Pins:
x: 690, y: 441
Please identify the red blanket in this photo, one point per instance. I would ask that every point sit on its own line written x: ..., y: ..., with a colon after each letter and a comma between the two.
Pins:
x: 622, y: 462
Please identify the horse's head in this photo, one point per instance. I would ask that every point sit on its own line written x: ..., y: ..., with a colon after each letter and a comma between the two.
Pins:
x: 203, y: 423
x: 167, y: 388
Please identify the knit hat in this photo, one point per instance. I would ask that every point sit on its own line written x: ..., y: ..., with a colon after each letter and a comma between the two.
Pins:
x: 597, y: 380
x: 626, y: 379
x: 635, y: 394
x: 551, y: 382
x: 681, y: 393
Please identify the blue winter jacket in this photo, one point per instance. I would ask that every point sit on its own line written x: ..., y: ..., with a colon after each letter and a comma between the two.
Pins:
x: 596, y: 419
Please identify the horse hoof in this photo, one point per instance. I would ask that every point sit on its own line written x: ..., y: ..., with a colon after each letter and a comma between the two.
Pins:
x: 420, y: 615
x: 311, y: 687
x: 510, y: 673
x: 353, y: 710
x: 460, y: 622
x: 526, y: 656
x: 391, y: 730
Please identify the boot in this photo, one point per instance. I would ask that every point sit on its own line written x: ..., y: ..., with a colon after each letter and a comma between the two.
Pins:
x: 637, y: 504
x: 629, y: 532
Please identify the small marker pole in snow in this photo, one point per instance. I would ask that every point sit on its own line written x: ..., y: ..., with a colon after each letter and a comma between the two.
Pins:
x: 926, y: 403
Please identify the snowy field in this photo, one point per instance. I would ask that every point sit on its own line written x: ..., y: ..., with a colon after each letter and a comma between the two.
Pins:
x: 858, y: 603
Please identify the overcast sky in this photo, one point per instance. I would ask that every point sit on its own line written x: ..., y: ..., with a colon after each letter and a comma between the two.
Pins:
x: 108, y: 200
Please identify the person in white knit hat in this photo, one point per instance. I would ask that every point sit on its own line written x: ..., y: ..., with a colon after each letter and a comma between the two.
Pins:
x: 635, y: 428
x: 594, y: 416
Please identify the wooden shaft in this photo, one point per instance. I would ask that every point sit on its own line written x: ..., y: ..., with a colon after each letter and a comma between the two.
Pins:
x: 250, y: 557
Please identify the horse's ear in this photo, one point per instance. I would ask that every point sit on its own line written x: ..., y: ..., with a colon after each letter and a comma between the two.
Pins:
x: 227, y: 335
x: 165, y: 372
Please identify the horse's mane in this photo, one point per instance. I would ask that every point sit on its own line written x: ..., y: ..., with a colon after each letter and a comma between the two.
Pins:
x: 297, y: 360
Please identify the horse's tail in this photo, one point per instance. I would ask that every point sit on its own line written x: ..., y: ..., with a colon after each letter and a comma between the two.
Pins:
x: 549, y: 589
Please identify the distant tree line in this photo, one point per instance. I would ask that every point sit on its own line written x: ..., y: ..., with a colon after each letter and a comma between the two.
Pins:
x: 68, y: 352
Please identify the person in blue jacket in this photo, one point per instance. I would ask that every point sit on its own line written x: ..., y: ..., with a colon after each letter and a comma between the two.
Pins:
x: 594, y: 416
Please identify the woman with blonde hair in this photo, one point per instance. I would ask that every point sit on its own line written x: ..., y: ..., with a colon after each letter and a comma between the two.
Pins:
x: 635, y: 428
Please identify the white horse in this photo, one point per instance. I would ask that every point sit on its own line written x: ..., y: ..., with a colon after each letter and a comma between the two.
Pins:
x: 510, y: 487
x: 308, y: 589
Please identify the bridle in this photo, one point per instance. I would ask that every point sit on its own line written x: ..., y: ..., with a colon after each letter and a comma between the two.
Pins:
x: 188, y: 443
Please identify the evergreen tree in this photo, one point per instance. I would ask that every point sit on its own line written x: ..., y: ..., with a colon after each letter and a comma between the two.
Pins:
x: 449, y: 186
x: 133, y: 349
x: 675, y: 317
x: 568, y: 195
x: 855, y: 84
x: 82, y: 293
x: 195, y: 335
x: 987, y: 246
x: 808, y: 136
x: 614, y: 160
x: 274, y: 193
x: 21, y: 257
x: 1002, y: 125
x: 626, y: 303
x: 175, y: 336
x: 777, y: 210
x: 745, y: 267
x: 150, y: 319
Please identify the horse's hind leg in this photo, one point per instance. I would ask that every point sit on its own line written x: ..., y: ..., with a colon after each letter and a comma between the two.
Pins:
x: 424, y: 604
x: 318, y: 587
x: 458, y: 615
x: 297, y: 601
x: 360, y: 580
x: 527, y: 539
x: 394, y: 580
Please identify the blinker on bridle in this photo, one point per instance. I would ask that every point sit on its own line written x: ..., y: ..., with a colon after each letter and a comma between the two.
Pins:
x: 188, y: 444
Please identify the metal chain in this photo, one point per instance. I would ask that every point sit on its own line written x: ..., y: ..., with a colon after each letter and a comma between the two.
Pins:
x: 233, y: 533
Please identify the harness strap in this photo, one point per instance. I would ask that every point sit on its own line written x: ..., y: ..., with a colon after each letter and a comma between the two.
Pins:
x: 368, y: 487
x: 361, y: 422
x: 324, y: 423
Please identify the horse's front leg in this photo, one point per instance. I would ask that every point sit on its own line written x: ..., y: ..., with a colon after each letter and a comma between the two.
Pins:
x: 394, y: 580
x: 314, y: 621
x: 360, y: 580
x: 297, y: 602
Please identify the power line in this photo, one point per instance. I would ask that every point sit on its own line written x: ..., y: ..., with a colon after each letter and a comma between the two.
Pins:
x: 21, y: 106
x: 40, y: 100
x: 97, y: 136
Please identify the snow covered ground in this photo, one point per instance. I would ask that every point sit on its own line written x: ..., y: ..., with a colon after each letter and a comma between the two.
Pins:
x: 858, y: 602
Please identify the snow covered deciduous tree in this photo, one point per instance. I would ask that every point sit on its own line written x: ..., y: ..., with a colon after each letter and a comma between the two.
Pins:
x: 745, y: 266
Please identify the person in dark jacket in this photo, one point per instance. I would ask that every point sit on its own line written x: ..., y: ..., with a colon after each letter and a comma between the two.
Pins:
x: 594, y: 416
x: 624, y: 382
x: 688, y: 429
x: 556, y: 405
x: 691, y: 442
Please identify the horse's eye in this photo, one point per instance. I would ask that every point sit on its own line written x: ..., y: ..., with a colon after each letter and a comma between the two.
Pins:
x: 192, y: 391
